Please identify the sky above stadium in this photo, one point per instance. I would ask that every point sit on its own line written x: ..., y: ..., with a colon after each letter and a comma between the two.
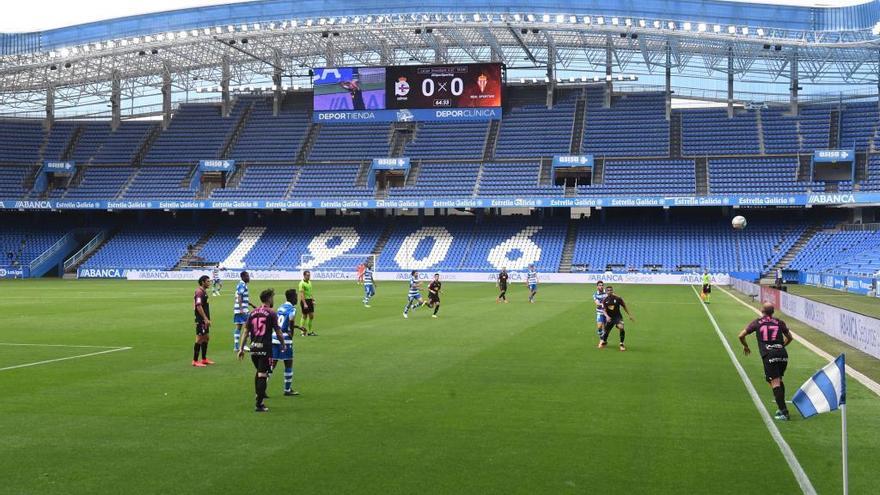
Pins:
x: 41, y: 15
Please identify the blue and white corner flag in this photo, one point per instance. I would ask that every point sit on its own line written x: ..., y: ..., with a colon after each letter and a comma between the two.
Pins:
x: 824, y: 392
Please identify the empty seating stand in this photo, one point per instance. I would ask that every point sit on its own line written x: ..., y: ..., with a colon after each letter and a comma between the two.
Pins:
x: 758, y: 175
x: 261, y: 181
x: 515, y: 179
x: 645, y: 177
x: 711, y: 132
x: 533, y: 130
x: 347, y: 142
x: 268, y: 138
x: 442, y: 180
x: 448, y: 140
x: 197, y: 132
x: 635, y: 125
x: 329, y: 180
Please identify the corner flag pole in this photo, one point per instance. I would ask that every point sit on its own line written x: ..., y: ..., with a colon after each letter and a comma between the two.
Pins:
x: 843, y: 445
x: 845, y: 459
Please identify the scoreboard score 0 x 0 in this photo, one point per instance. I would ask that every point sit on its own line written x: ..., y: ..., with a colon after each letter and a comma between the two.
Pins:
x: 443, y: 86
x: 408, y: 93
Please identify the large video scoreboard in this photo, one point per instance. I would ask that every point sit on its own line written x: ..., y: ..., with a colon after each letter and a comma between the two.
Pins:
x: 408, y: 93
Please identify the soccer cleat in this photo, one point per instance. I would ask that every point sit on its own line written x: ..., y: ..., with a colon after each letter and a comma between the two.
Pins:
x: 602, y: 344
x: 261, y: 408
x: 199, y: 364
x: 291, y: 393
x: 781, y: 416
x: 405, y: 315
x: 622, y: 347
x: 207, y: 361
x: 311, y: 334
x: 367, y: 306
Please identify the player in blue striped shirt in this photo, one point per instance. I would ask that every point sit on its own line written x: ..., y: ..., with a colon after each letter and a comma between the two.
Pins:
x: 286, y: 316
x: 366, y: 278
x: 414, y: 297
x: 241, y: 307
x: 598, y: 297
x: 532, y: 282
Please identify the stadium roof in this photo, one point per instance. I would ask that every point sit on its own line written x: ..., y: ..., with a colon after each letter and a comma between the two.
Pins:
x: 830, y: 45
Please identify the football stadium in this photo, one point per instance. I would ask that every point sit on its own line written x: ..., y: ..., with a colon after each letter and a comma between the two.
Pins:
x: 440, y: 247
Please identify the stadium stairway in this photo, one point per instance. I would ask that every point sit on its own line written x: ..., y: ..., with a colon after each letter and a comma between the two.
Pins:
x: 834, y: 130
x: 192, y: 255
x: 383, y: 240
x: 579, y: 124
x: 701, y: 172
x: 760, y: 124
x: 491, y: 140
x: 74, y: 261
x: 308, y: 142
x: 568, y: 247
x: 675, y: 135
x: 792, y: 253
x: 232, y: 139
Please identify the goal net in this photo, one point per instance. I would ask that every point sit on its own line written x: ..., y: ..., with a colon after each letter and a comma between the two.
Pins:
x: 344, y: 262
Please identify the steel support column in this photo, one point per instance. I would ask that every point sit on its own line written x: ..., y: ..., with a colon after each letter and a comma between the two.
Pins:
x: 166, y: 98
x: 115, y: 101
x: 49, y: 121
x: 668, y: 82
x: 226, y: 106
x: 795, y: 81
x: 609, y: 85
x: 730, y: 82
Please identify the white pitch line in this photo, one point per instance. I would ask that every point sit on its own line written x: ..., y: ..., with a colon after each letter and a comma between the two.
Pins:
x: 26, y: 365
x: 64, y: 345
x: 795, y: 466
x: 859, y: 376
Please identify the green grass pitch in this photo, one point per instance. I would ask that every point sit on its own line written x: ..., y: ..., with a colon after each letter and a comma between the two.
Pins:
x: 869, y: 306
x: 485, y: 399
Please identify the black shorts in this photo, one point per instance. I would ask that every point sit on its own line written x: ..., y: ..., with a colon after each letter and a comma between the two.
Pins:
x: 308, y: 306
x: 261, y: 363
x: 707, y: 289
x: 503, y: 287
x: 613, y: 322
x: 775, y: 363
x: 202, y: 329
x: 434, y: 298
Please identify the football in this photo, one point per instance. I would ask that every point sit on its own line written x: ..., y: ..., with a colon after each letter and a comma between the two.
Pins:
x: 738, y: 222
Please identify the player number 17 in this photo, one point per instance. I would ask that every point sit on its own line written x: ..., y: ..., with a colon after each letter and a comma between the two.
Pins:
x: 765, y: 329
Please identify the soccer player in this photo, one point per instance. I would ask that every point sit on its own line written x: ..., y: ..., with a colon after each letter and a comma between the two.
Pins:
x: 598, y: 297
x: 354, y: 90
x: 261, y: 324
x: 218, y: 284
x: 366, y: 277
x: 286, y: 317
x: 611, y: 306
x: 414, y: 297
x: 707, y: 287
x: 502, y: 286
x: 434, y: 294
x: 240, y: 307
x: 307, y: 304
x: 773, y: 336
x: 203, y: 322
x: 532, y: 283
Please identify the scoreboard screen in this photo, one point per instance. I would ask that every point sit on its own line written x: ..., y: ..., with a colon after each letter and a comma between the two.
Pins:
x: 443, y: 86
x: 452, y: 92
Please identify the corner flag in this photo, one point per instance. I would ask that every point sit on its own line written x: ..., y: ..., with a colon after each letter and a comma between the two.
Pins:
x: 824, y: 392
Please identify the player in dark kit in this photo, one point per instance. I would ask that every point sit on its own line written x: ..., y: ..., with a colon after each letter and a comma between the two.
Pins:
x: 611, y: 306
x: 502, y: 286
x: 434, y: 294
x: 773, y: 336
x: 203, y: 322
x: 354, y: 89
x: 261, y: 324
